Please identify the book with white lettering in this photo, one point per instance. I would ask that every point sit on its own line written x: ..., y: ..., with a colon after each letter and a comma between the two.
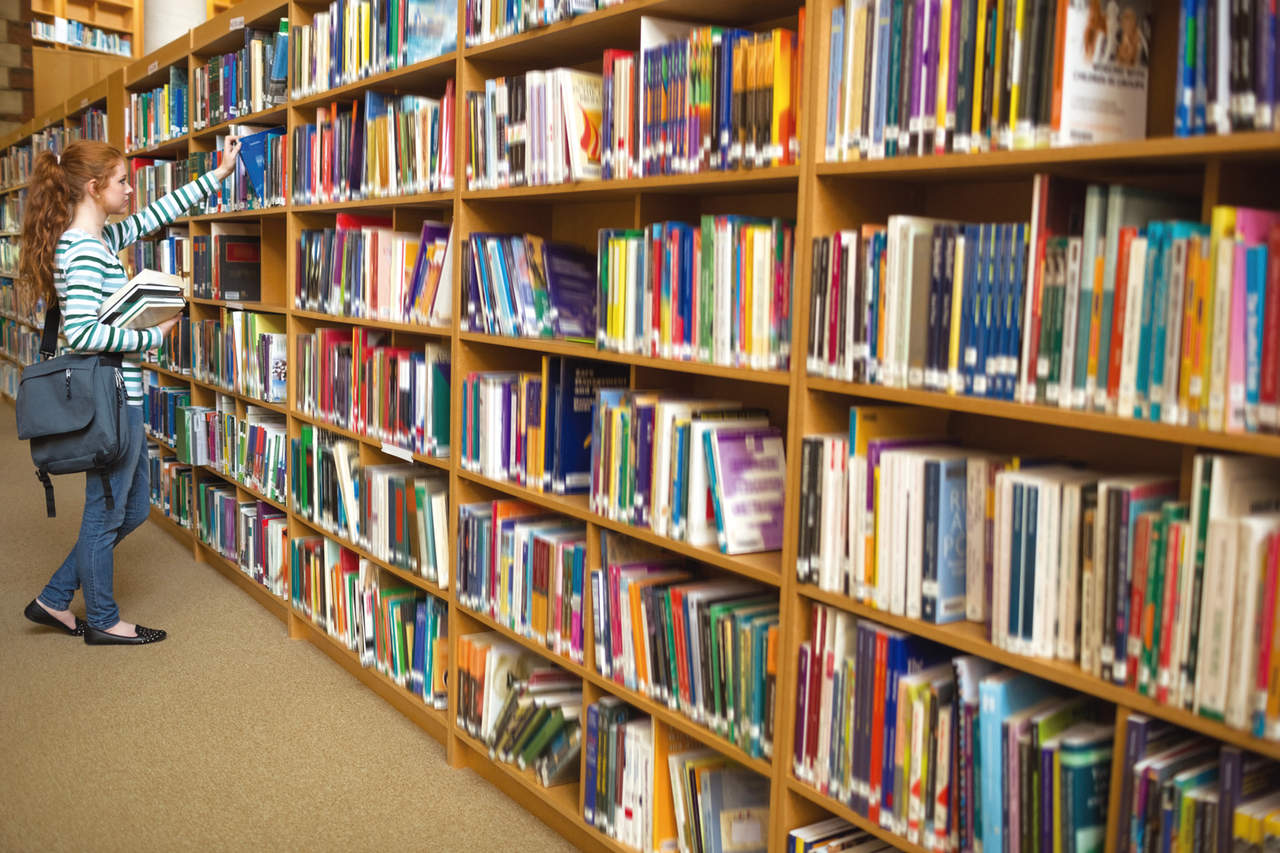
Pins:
x: 148, y: 299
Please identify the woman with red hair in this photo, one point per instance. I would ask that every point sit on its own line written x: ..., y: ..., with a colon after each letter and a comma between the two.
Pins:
x: 69, y: 254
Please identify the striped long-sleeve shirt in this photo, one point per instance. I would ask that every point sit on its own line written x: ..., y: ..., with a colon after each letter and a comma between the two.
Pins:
x: 87, y: 271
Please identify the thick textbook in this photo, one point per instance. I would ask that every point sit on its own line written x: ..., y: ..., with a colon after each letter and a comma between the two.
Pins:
x: 148, y: 299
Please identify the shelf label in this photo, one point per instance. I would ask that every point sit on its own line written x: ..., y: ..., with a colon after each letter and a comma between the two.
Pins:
x: 398, y: 452
x: 154, y: 66
x: 84, y: 102
x: 236, y: 306
x: 237, y: 23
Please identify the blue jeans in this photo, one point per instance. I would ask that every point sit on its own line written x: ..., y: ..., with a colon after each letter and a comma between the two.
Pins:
x: 90, y: 564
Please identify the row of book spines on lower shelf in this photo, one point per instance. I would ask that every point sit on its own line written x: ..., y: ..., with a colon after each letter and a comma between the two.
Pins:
x: 528, y: 570
x: 1108, y: 300
x: 1112, y: 573
x: 963, y: 75
x: 710, y: 473
x: 399, y: 630
x: 530, y: 714
x: 950, y: 753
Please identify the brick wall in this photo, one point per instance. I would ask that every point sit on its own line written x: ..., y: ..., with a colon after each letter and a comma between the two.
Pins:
x: 16, y: 81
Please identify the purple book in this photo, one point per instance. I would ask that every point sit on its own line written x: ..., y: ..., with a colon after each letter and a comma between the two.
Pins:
x: 643, y: 420
x: 929, y: 73
x: 572, y: 288
x: 953, y: 75
x: 431, y: 232
x: 1230, y: 779
x: 746, y: 469
x: 911, y: 121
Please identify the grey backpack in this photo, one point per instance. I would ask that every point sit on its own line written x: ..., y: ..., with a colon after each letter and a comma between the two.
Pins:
x: 74, y: 411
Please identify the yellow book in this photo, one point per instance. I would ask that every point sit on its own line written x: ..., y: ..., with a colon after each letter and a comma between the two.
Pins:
x: 1270, y: 833
x: 955, y: 379
x: 1057, y: 798
x: 782, y: 123
x: 1222, y: 229
x: 1015, y: 66
x: 944, y: 70
x: 1201, y: 329
x: 980, y: 51
x: 537, y: 461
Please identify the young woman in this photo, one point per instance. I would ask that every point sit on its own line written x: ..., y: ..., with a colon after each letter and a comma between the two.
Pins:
x: 69, y: 254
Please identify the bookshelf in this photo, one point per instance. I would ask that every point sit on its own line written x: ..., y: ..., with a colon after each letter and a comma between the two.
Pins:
x: 820, y: 197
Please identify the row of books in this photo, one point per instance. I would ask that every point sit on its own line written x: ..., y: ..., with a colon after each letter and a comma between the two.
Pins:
x: 158, y: 114
x: 16, y: 163
x: 526, y: 712
x: 247, y: 80
x: 51, y: 139
x: 1107, y: 301
x: 399, y: 631
x: 377, y: 146
x: 262, y: 173
x: 160, y: 407
x: 485, y: 22
x: 153, y: 179
x: 1112, y: 573
x: 20, y: 342
x: 982, y: 75
x: 702, y: 646
x: 243, y: 352
x: 396, y: 512
x: 69, y: 31
x: 89, y: 124
x: 718, y: 291
x: 708, y: 472
x: 251, y: 534
x: 1179, y: 790
x: 651, y: 788
x: 363, y: 268
x: 525, y: 569
x: 11, y: 207
x: 353, y: 39
x: 947, y: 752
x: 169, y: 252
x: 252, y: 450
x: 700, y: 98
x: 170, y: 482
x: 226, y: 263
x: 10, y: 377
x: 521, y: 285
x: 1227, y: 72
x: 356, y: 379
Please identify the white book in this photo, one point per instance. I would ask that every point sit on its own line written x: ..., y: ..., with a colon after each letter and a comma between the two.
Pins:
x: 913, y: 500
x: 1242, y: 631
x: 146, y: 300
x: 1126, y: 396
x: 1216, y: 605
x: 1223, y: 277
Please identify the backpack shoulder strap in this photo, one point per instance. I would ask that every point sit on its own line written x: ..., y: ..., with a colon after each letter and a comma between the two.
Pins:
x: 49, y: 338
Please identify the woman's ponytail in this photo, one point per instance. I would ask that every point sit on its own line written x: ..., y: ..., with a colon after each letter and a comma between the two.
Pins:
x: 57, y: 186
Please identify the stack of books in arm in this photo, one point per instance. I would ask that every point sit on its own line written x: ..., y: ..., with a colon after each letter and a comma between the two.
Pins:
x: 148, y: 299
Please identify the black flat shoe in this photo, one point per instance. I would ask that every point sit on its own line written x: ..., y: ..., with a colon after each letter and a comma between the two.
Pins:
x: 40, y: 616
x: 94, y: 637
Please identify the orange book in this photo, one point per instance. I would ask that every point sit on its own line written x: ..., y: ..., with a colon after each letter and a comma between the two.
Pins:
x: 1198, y: 265
x: 1121, y: 298
x: 666, y: 742
x: 639, y: 632
x: 1095, y: 324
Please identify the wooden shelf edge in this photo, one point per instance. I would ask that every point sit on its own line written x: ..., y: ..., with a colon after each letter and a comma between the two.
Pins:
x: 772, y: 178
x: 753, y: 566
x: 1258, y: 444
x: 443, y: 463
x: 441, y: 63
x: 967, y: 637
x: 393, y: 325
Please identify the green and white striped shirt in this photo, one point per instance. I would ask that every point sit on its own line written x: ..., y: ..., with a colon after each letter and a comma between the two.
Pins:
x: 87, y: 271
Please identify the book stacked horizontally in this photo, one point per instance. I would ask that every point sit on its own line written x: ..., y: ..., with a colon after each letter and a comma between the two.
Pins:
x: 150, y: 298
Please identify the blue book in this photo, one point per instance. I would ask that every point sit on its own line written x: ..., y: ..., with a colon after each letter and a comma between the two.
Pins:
x: 1255, y: 301
x: 1084, y: 757
x: 943, y: 602
x: 253, y: 155
x: 580, y: 379
x: 1000, y: 695
x: 589, y: 772
x: 1155, y: 286
x: 905, y: 655
x: 1182, y: 115
x: 835, y: 86
x: 572, y: 290
x: 1200, y: 80
x: 1015, y: 563
x: 419, y: 661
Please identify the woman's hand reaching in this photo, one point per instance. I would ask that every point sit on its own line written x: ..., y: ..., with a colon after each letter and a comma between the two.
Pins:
x: 230, y: 151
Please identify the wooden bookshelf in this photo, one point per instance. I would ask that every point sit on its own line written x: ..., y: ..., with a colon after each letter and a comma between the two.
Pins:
x: 821, y: 197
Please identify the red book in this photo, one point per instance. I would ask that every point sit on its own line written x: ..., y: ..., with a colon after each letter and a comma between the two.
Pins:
x: 1121, y: 299
x: 877, y: 728
x: 1269, y: 387
x: 834, y: 301
x: 815, y: 686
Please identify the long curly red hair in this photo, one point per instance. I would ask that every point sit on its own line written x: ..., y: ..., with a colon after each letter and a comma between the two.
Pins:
x: 57, y: 186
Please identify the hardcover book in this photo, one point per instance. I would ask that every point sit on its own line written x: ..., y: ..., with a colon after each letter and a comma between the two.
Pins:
x: 747, y: 473
x: 149, y: 298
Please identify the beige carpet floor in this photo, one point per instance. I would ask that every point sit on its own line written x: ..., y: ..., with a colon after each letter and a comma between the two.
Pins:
x: 227, y: 736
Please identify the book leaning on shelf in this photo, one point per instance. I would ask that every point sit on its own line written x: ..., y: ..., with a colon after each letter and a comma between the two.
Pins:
x: 363, y: 268
x: 351, y: 39
x: 520, y: 285
x: 148, y: 299
x: 833, y: 834
x: 983, y: 75
x: 525, y: 712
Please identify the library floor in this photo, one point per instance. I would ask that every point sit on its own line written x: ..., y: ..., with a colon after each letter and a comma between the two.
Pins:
x: 226, y: 736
